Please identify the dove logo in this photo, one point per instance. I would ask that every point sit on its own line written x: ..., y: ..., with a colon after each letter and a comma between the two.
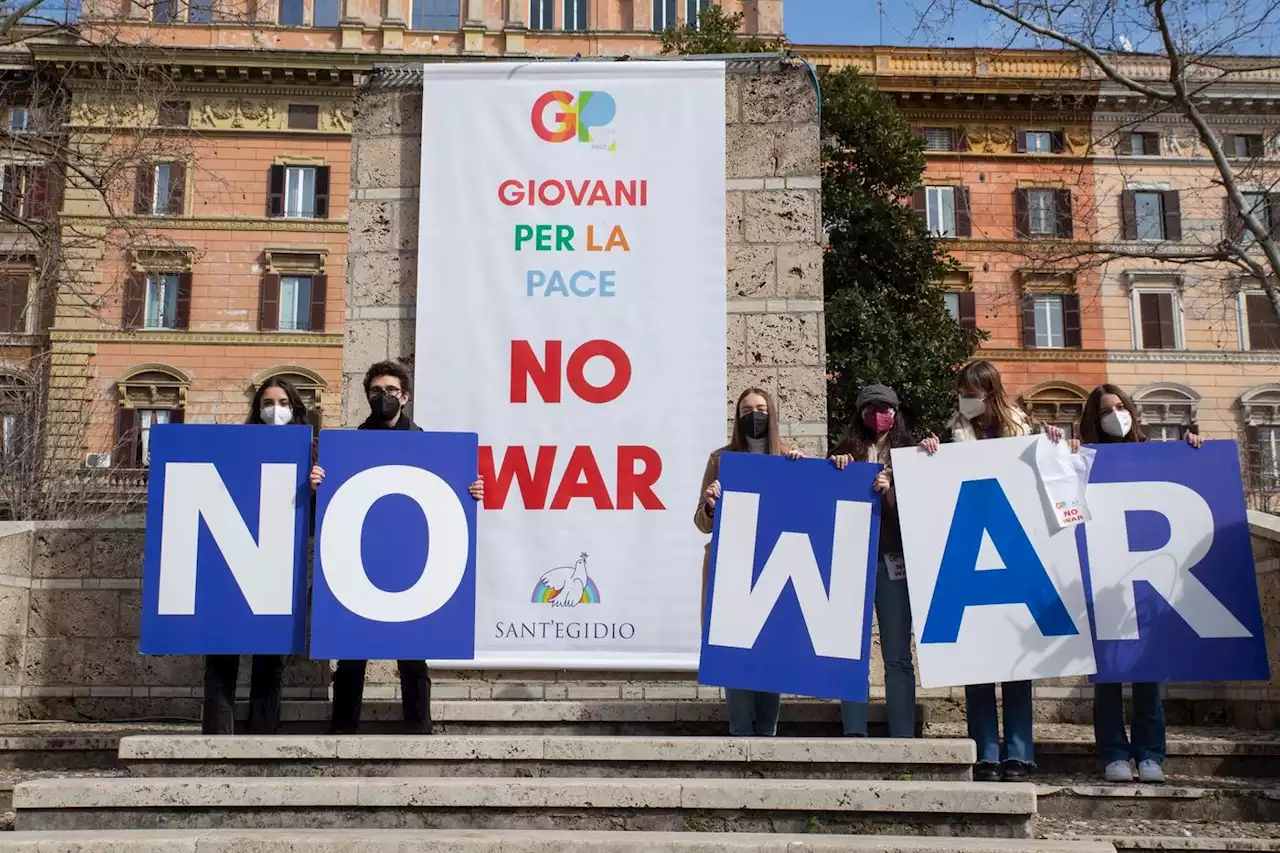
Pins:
x: 567, y: 586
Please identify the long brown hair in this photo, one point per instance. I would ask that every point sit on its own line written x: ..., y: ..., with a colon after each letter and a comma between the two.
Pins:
x: 1091, y: 431
x: 738, y: 443
x: 982, y: 377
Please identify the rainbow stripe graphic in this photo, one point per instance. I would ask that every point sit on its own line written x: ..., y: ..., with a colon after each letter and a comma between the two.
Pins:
x: 543, y: 594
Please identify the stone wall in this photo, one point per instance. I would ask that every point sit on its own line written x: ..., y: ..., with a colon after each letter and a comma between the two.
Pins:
x: 70, y: 603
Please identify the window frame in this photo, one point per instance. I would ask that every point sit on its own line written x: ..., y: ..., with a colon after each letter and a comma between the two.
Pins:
x: 301, y: 319
x: 696, y: 7
x: 1174, y: 291
x: 301, y: 171
x: 1049, y: 299
x: 1055, y: 227
x: 940, y: 192
x: 170, y: 284
x: 25, y: 129
x: 1037, y: 134
x: 421, y: 19
x: 1159, y: 216
x: 545, y: 22
x: 308, y: 114
x: 337, y: 15
x: 951, y: 138
x: 301, y: 6
x: 1242, y: 319
x: 668, y: 11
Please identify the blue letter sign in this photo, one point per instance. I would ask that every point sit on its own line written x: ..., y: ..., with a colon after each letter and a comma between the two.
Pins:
x: 1170, y: 566
x: 395, y: 568
x: 792, y: 577
x: 227, y: 516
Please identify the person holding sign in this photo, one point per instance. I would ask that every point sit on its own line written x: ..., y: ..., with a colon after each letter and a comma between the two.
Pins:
x: 1109, y: 417
x: 388, y: 387
x: 276, y: 403
x: 755, y: 430
x: 983, y: 411
x: 878, y: 428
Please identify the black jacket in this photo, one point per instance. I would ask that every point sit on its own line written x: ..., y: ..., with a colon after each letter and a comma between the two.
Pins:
x: 404, y: 423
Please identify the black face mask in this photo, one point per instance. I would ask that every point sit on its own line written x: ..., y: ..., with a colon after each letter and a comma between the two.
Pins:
x: 384, y: 406
x: 754, y: 424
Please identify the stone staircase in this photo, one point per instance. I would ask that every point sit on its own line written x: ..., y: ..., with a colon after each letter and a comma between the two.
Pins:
x: 544, y: 779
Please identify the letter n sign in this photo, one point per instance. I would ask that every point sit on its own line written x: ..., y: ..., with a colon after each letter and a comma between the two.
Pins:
x: 792, y: 577
x: 227, y: 517
x: 395, y: 574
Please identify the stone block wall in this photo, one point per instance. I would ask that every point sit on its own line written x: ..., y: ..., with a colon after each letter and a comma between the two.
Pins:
x: 70, y: 606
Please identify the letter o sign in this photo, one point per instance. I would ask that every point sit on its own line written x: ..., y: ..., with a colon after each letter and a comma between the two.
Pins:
x: 343, y: 564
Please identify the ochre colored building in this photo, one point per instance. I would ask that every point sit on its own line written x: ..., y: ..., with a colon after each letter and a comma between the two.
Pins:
x: 1066, y: 201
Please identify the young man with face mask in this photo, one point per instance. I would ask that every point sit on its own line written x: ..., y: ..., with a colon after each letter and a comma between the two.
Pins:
x: 388, y: 387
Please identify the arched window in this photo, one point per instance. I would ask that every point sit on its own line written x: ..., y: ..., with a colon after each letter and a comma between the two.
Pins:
x: 310, y: 386
x: 1166, y: 409
x: 149, y: 394
x: 1057, y: 403
x: 1260, y: 410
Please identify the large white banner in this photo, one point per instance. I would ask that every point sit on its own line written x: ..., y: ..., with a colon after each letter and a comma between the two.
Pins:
x: 997, y: 592
x: 571, y: 309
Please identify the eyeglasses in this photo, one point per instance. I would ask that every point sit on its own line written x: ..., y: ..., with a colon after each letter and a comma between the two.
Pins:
x: 395, y: 392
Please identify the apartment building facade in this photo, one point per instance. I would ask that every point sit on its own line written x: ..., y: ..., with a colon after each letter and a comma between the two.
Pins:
x: 203, y: 230
x: 1080, y: 214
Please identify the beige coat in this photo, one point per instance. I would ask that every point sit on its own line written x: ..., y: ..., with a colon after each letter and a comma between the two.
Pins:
x: 706, y: 521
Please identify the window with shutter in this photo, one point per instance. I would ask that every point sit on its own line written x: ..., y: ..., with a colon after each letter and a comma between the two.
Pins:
x: 1256, y: 204
x: 1264, y: 328
x: 269, y: 303
x: 13, y: 303
x: 1156, y: 322
x: 1037, y: 142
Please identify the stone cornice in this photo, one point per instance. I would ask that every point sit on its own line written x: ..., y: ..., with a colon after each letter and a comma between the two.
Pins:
x: 1128, y: 356
x: 259, y: 339
x: 215, y: 223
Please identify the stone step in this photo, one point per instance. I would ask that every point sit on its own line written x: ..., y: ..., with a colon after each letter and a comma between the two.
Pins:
x: 709, y: 805
x: 589, y: 716
x: 509, y: 841
x: 550, y: 755
x: 1236, y: 756
x: 1185, y: 799
x: 1191, y: 844
x: 57, y: 751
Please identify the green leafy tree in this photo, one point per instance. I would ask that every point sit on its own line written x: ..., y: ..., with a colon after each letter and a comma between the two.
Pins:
x: 717, y: 32
x: 886, y: 318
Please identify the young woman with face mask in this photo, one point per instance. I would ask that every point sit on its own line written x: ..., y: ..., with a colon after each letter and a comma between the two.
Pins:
x: 983, y: 410
x: 1109, y: 417
x: 755, y: 430
x: 879, y: 428
x: 276, y: 403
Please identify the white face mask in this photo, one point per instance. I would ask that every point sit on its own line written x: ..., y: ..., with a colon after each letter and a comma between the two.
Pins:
x: 1116, y: 424
x: 972, y: 407
x: 276, y: 415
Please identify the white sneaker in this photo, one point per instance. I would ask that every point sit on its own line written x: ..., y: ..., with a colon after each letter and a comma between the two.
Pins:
x: 1150, y: 771
x: 1118, y: 771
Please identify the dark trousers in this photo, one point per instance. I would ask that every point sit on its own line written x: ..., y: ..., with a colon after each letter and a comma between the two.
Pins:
x: 348, y: 694
x: 220, y: 675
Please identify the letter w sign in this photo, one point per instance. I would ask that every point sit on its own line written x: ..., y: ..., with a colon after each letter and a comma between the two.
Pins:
x: 792, y: 577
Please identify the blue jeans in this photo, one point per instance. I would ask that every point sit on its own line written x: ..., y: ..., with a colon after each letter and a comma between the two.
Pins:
x: 1148, y: 723
x: 980, y: 708
x: 752, y: 713
x: 893, y: 613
